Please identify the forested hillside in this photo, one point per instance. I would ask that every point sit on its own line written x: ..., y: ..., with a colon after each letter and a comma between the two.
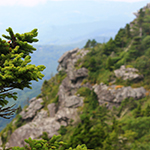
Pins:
x: 100, y: 96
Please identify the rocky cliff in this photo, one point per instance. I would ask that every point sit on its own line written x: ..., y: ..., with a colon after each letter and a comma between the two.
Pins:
x: 38, y: 120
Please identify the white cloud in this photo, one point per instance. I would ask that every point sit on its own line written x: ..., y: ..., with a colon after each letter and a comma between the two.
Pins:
x: 76, y: 11
x: 103, y: 0
x: 21, y: 2
x: 130, y: 1
x: 36, y: 2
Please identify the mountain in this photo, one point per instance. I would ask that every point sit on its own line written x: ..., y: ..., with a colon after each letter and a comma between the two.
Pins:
x: 75, y: 33
x: 64, y: 21
x: 100, y: 96
x: 50, y: 61
x: 53, y: 52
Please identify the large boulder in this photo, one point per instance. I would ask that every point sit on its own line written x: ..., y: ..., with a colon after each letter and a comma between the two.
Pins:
x: 103, y: 94
x: 34, y: 130
x: 67, y: 55
x: 40, y: 115
x: 114, y: 95
x: 30, y: 112
x: 63, y: 60
x: 128, y: 73
x: 73, y: 101
x: 65, y: 115
x: 70, y: 58
x: 75, y: 75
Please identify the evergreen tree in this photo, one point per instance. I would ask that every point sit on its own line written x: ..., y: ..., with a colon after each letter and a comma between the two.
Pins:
x: 109, y: 64
x: 92, y: 64
x: 138, y: 112
x: 141, y: 20
x: 128, y: 34
x: 88, y: 44
x: 109, y: 47
x: 147, y: 111
x: 120, y: 38
x: 15, y: 70
x: 93, y: 43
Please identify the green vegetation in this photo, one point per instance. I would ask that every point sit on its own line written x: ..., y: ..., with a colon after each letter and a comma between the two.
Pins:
x: 15, y: 70
x: 127, y: 48
x: 50, y: 88
x: 90, y: 43
x: 120, y: 128
x: 125, y: 127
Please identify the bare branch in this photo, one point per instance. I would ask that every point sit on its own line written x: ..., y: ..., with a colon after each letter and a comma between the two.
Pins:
x: 8, y: 112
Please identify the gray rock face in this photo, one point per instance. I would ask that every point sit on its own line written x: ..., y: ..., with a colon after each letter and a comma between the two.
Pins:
x: 74, y: 79
x: 69, y: 59
x: 43, y: 123
x: 34, y: 130
x: 104, y: 95
x: 52, y: 109
x: 63, y: 60
x: 64, y: 116
x: 128, y: 73
x: 73, y: 101
x: 40, y: 120
x: 114, y: 95
x: 40, y: 115
x: 32, y: 99
x: 67, y: 54
x: 51, y: 121
x: 66, y: 93
x: 31, y: 111
x: 74, y: 75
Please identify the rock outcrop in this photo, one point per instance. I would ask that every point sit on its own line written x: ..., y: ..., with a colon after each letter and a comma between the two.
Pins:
x: 34, y: 129
x: 30, y: 112
x: 52, y: 109
x: 128, y: 73
x: 50, y: 120
x: 115, y: 94
x: 74, y: 79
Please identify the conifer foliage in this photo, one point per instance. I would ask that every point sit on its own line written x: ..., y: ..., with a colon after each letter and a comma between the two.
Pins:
x: 15, y: 70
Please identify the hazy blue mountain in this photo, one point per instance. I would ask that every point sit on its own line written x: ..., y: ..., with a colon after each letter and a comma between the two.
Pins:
x: 75, y: 33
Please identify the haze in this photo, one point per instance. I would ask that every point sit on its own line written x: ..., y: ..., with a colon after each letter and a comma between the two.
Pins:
x: 67, y: 21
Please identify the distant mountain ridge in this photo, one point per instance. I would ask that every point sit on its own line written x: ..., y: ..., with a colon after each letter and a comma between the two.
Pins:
x: 75, y: 33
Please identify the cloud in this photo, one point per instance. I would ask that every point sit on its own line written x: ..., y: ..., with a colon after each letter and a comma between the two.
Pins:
x: 130, y: 1
x: 103, y: 0
x: 21, y: 2
x: 76, y: 11
x: 36, y: 2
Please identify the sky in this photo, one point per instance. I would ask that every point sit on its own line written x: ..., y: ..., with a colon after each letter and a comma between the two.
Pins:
x: 33, y: 3
x: 57, y: 19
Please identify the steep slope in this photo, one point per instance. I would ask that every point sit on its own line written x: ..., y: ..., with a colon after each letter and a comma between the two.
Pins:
x: 100, y: 97
x: 53, y: 52
x: 50, y: 121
